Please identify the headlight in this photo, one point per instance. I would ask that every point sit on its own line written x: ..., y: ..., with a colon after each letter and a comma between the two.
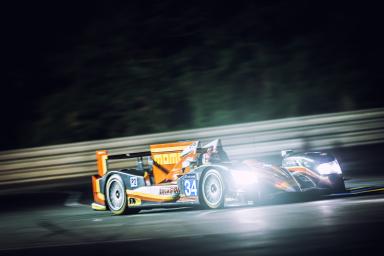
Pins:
x: 328, y: 168
x: 244, y: 178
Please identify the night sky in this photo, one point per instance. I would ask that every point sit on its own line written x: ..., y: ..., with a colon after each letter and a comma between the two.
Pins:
x: 48, y: 46
x: 35, y: 34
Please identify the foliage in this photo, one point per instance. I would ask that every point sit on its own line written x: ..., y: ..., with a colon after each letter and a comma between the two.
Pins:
x: 170, y: 67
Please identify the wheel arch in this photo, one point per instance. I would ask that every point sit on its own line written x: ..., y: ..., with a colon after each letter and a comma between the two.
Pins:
x: 125, y: 176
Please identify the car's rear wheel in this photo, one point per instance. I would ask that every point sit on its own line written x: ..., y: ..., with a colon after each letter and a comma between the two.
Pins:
x: 116, y: 197
x: 212, y: 189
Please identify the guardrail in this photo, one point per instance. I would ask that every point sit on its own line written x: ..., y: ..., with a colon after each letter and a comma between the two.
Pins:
x: 248, y: 140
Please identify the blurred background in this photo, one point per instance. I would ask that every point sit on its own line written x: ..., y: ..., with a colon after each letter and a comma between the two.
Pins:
x: 79, y: 71
x: 94, y: 74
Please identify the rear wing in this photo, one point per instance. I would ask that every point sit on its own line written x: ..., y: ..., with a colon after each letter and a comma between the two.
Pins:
x: 166, y: 159
x: 103, y: 157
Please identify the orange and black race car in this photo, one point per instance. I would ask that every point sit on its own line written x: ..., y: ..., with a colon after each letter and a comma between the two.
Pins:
x: 188, y: 174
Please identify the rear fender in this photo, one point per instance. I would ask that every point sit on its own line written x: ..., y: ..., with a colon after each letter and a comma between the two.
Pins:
x: 98, y: 193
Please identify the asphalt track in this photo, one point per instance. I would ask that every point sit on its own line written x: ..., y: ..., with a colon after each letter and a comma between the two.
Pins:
x: 339, y: 225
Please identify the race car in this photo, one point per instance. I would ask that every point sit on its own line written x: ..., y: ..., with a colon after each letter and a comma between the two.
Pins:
x: 189, y: 174
x: 314, y: 170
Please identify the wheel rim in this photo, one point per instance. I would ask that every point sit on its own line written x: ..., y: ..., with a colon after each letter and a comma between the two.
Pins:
x: 116, y: 195
x: 212, y: 188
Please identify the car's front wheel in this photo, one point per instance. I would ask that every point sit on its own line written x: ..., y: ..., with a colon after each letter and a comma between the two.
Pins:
x: 212, y: 189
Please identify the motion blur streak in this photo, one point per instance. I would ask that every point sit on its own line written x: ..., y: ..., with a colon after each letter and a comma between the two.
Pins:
x: 248, y: 140
x: 368, y: 201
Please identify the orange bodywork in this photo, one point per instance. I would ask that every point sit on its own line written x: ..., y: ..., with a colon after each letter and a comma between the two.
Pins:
x: 167, y: 167
x: 168, y: 162
x: 98, y: 197
x: 102, y: 167
x: 323, y: 179
x: 303, y: 170
x: 102, y: 157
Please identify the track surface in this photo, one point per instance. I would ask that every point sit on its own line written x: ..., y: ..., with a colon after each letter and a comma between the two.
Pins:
x: 342, y: 225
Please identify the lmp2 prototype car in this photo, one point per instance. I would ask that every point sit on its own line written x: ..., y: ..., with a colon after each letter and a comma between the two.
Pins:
x: 188, y: 174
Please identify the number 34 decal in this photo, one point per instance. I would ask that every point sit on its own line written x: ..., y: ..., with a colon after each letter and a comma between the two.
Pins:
x: 190, y: 188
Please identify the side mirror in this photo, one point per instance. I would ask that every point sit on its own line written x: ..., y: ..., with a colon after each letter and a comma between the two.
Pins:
x: 285, y: 153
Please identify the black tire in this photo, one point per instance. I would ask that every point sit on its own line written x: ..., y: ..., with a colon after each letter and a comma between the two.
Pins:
x: 212, y: 190
x: 116, y: 197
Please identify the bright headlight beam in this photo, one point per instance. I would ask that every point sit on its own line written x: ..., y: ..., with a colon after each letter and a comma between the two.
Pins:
x: 245, y: 177
x: 328, y: 168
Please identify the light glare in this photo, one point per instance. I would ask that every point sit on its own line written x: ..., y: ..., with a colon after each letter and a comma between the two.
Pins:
x: 328, y: 168
x: 245, y: 177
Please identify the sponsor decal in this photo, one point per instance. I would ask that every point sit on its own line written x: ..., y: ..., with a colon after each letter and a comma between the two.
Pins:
x: 133, y: 181
x: 190, y: 176
x: 170, y: 158
x: 169, y: 191
x: 132, y: 201
x: 190, y: 188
